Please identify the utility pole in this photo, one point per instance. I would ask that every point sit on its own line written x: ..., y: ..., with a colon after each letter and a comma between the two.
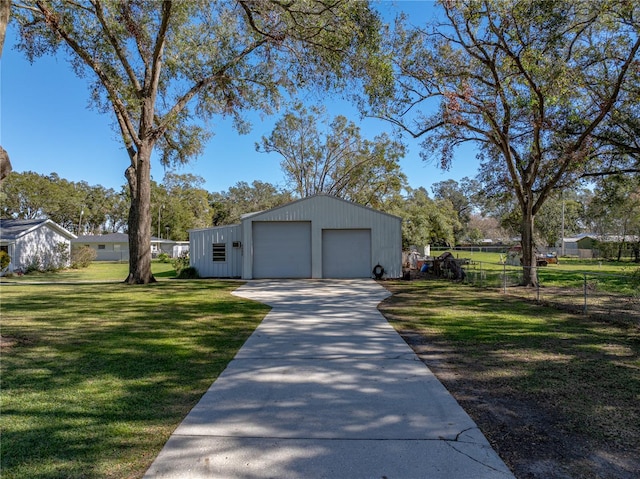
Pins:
x: 562, y: 236
x: 160, y: 208
x: 80, y: 221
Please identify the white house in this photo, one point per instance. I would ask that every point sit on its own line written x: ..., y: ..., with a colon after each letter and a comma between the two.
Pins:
x: 28, y: 242
x: 316, y: 237
x: 115, y: 246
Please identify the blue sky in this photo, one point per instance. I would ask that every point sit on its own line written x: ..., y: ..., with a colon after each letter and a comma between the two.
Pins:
x: 47, y: 126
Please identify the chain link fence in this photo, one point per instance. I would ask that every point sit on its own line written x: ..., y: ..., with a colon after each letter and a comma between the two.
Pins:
x: 603, y: 295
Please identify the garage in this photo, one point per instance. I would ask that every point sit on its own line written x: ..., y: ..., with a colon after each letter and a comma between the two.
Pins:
x: 346, y: 253
x: 281, y: 249
x: 315, y: 237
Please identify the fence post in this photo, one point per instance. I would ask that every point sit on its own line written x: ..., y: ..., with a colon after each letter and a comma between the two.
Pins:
x: 584, y: 308
x: 504, y: 278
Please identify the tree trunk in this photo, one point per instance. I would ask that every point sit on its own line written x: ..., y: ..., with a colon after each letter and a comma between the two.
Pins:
x: 139, y: 179
x: 5, y: 164
x: 529, y: 264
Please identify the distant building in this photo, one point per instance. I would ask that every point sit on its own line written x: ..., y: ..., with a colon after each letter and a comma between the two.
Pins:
x: 28, y: 242
x: 115, y: 246
x: 585, y: 245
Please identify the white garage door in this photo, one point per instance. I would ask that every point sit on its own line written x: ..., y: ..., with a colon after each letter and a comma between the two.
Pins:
x: 346, y: 253
x: 281, y: 249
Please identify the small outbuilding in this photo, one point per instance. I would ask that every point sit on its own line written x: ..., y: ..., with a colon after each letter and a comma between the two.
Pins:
x: 39, y: 243
x: 115, y: 246
x: 316, y: 237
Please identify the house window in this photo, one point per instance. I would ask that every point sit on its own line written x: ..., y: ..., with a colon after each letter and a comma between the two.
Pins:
x: 102, y: 246
x: 219, y: 252
x: 5, y: 248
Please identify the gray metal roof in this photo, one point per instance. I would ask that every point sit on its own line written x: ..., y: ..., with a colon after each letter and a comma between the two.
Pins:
x: 108, y: 238
x: 11, y: 229
x: 308, y: 199
x: 114, y: 238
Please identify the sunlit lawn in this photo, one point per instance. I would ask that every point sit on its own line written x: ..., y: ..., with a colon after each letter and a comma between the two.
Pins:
x: 95, y: 377
x: 611, y: 276
x: 97, y: 271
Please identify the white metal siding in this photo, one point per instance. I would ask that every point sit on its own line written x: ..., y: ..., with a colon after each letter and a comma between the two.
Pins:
x: 201, y: 252
x: 346, y: 253
x: 281, y: 249
x: 328, y: 212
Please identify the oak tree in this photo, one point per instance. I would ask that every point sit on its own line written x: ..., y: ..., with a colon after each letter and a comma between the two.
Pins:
x: 163, y: 68
x: 531, y: 82
x: 326, y: 156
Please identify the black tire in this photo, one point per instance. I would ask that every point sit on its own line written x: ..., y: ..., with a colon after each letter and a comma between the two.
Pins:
x: 378, y: 271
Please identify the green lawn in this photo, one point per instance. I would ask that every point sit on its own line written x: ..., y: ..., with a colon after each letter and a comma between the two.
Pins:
x: 611, y: 276
x: 581, y: 373
x: 95, y: 377
x: 97, y: 271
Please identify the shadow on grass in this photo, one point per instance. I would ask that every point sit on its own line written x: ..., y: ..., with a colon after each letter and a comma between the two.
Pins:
x: 101, y: 375
x: 165, y: 274
x: 580, y: 376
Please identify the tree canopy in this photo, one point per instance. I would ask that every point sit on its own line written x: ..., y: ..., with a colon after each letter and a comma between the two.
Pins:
x: 228, y: 206
x: 76, y: 206
x: 533, y: 83
x: 330, y: 156
x: 424, y: 221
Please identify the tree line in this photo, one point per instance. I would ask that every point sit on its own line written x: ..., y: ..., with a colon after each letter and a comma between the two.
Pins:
x: 180, y: 203
x: 453, y: 213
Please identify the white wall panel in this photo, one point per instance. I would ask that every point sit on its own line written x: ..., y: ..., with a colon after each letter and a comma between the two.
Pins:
x: 201, y: 251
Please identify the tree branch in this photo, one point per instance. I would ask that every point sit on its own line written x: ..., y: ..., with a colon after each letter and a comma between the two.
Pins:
x: 97, y: 5
x: 121, y: 110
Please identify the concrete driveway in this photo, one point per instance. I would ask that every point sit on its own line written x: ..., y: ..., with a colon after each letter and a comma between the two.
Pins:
x: 325, y: 388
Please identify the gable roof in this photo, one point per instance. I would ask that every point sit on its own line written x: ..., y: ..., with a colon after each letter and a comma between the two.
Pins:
x: 12, y: 229
x: 108, y: 238
x: 114, y: 238
x: 313, y: 198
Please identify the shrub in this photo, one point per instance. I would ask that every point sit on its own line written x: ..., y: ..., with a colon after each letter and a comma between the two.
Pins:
x: 164, y: 258
x: 82, y: 256
x: 59, y: 259
x: 5, y: 259
x: 34, y: 264
x: 181, y: 262
x: 188, y: 273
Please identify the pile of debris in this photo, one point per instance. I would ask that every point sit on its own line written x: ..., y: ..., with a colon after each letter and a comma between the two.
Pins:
x: 446, y: 265
x: 449, y: 266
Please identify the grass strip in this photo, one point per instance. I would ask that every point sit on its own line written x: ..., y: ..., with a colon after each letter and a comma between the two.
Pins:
x: 96, y: 377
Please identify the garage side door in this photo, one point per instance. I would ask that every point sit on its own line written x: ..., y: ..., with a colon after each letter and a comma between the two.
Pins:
x: 346, y: 253
x: 281, y: 249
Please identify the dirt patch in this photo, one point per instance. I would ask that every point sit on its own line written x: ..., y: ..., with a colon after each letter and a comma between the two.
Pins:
x: 531, y: 436
x: 8, y: 342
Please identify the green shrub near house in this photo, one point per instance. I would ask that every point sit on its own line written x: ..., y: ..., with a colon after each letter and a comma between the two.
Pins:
x: 82, y: 256
x: 5, y: 260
